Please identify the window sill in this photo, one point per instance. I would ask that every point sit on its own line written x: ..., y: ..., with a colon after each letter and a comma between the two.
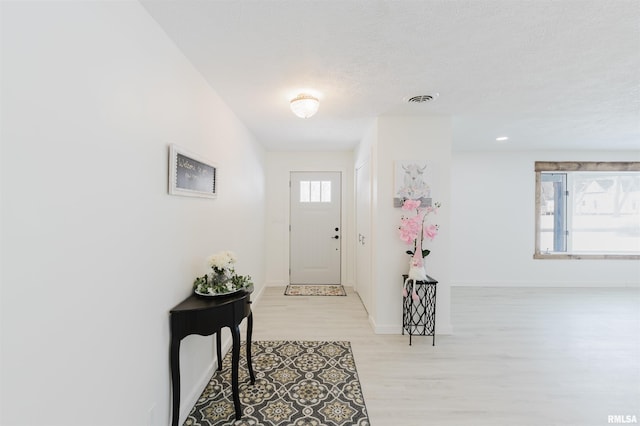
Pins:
x: 586, y: 256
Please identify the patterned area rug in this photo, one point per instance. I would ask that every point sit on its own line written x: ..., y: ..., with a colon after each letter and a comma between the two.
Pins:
x: 314, y: 290
x: 297, y: 384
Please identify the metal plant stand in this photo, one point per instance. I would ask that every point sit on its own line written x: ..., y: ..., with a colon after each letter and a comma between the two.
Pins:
x: 419, y: 316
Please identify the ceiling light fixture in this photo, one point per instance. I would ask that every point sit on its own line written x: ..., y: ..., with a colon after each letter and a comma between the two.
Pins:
x: 502, y: 138
x: 304, y: 106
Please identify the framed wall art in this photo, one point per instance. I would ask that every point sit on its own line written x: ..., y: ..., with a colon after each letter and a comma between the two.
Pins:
x: 412, y: 182
x: 191, y: 175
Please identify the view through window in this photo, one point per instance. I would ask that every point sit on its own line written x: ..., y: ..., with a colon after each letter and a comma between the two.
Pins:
x: 587, y: 209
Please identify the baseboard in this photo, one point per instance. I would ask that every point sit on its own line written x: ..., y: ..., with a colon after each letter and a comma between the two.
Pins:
x: 372, y: 323
x: 256, y: 295
x: 444, y: 329
x: 543, y: 284
x: 388, y: 329
x: 191, y: 400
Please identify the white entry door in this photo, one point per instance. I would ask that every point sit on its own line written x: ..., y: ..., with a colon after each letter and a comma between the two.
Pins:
x: 316, y: 233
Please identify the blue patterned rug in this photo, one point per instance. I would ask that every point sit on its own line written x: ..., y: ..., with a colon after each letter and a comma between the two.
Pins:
x: 297, y: 384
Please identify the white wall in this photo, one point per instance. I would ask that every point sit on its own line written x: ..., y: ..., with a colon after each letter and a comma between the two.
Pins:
x: 493, y: 224
x: 94, y: 251
x: 279, y: 167
x: 406, y: 138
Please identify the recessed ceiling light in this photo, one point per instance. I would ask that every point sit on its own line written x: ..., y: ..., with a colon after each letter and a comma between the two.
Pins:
x: 502, y: 138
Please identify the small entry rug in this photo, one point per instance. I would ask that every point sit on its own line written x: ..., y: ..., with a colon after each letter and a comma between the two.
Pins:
x: 298, y: 383
x: 314, y: 290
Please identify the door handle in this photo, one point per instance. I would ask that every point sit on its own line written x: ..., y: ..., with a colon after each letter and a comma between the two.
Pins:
x: 335, y: 237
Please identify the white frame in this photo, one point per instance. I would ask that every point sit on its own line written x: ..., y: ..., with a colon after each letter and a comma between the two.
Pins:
x: 573, y: 166
x: 174, y: 188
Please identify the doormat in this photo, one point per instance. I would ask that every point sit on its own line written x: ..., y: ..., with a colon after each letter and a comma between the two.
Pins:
x: 297, y: 383
x: 314, y: 290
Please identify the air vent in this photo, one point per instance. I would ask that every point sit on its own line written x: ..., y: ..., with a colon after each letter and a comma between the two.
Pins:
x: 422, y: 98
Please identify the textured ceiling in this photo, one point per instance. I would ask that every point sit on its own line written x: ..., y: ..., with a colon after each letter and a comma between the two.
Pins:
x: 548, y: 74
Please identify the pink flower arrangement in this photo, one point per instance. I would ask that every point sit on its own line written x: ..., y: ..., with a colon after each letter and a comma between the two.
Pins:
x: 414, y: 229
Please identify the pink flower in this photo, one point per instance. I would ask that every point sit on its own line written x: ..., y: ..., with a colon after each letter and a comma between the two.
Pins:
x: 409, y: 229
x: 411, y: 204
x: 406, y: 237
x: 430, y: 232
x: 414, y: 229
x: 411, y: 224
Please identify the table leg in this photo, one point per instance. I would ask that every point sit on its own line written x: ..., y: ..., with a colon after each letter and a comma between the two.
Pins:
x: 219, y: 350
x: 404, y: 307
x: 410, y: 321
x: 249, y: 332
x: 433, y: 341
x: 175, y: 381
x: 235, y: 361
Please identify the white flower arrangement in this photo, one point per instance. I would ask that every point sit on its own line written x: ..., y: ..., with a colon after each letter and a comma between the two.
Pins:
x: 223, y: 261
x: 223, y: 279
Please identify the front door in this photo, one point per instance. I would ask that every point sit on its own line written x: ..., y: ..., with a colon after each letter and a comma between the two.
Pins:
x: 316, y: 232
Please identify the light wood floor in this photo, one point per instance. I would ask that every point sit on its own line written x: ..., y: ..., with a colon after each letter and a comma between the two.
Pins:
x: 518, y: 356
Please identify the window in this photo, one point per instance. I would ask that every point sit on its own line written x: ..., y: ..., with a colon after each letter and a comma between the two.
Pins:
x: 315, y: 191
x: 587, y: 210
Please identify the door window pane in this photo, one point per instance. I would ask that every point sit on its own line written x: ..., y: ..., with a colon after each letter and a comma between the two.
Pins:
x: 315, y: 191
x: 325, y: 196
x: 305, y: 196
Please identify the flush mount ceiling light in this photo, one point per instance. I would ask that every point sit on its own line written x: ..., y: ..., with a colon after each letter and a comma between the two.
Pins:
x: 304, y: 106
x: 502, y: 138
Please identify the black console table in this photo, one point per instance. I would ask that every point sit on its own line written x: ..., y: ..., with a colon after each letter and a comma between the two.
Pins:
x: 204, y: 316
x: 419, y: 316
